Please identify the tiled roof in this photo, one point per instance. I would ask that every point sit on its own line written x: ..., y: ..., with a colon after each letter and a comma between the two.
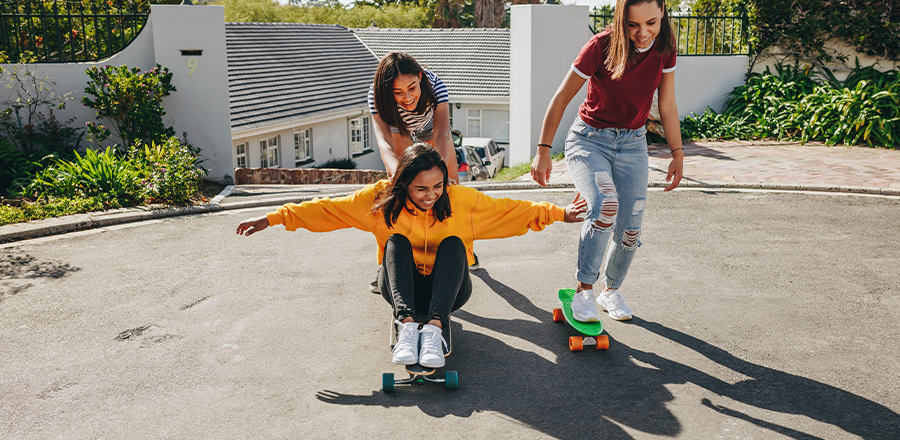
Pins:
x: 474, y: 63
x: 279, y: 72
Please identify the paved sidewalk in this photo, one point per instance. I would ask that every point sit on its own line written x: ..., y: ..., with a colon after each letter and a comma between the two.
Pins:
x: 774, y: 165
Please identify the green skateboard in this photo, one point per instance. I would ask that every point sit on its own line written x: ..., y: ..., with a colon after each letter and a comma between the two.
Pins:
x: 590, y: 331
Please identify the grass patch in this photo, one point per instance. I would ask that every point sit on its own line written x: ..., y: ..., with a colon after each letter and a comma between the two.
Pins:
x: 521, y: 169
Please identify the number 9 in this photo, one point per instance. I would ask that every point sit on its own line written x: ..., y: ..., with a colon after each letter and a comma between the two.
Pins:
x: 192, y: 63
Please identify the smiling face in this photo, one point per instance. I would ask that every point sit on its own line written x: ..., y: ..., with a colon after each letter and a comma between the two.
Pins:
x: 426, y: 188
x: 407, y: 91
x: 642, y: 23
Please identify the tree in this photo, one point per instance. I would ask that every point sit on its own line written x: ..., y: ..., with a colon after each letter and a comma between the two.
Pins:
x: 490, y: 13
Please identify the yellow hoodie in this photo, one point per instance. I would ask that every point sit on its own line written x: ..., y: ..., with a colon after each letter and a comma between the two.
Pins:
x: 475, y: 216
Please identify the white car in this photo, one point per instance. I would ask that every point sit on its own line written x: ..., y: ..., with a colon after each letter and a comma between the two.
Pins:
x: 493, y: 156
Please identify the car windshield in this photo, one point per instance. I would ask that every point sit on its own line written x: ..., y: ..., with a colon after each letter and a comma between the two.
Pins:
x: 481, y: 152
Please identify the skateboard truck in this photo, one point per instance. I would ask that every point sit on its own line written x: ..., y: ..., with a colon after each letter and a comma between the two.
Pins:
x: 419, y: 375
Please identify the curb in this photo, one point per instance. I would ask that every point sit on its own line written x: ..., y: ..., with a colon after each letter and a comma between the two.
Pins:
x: 78, y: 222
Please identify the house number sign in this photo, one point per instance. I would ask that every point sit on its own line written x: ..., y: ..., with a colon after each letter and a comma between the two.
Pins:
x: 192, y: 63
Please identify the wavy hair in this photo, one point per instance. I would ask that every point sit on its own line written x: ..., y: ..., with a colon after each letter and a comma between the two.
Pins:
x: 394, y: 199
x: 391, y: 66
x: 622, y: 51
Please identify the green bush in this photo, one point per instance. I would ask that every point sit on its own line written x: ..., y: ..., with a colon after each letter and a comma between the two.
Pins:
x: 131, y: 100
x: 107, y: 175
x: 170, y: 170
x: 342, y: 164
x: 796, y: 104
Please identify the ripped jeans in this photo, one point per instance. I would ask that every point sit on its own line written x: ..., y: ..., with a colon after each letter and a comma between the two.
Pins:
x: 610, y: 169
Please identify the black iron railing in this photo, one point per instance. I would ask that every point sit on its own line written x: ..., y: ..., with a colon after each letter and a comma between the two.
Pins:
x: 68, y: 31
x: 698, y: 35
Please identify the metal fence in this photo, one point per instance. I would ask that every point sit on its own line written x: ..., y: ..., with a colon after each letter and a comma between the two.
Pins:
x: 37, y: 31
x: 698, y: 35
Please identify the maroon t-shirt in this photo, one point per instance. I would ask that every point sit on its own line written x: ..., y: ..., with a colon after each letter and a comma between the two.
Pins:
x: 624, y: 103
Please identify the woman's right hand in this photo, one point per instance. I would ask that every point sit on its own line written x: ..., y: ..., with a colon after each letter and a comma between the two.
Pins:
x: 541, y: 167
x: 252, y: 226
x: 576, y: 209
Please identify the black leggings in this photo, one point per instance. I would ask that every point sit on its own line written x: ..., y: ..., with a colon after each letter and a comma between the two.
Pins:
x: 434, y: 296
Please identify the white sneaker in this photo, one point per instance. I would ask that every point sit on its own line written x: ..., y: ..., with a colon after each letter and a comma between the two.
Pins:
x: 612, y: 301
x: 431, y: 354
x: 406, y: 351
x: 583, y: 307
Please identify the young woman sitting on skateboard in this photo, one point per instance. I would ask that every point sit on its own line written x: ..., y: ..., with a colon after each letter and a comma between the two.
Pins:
x: 425, y: 231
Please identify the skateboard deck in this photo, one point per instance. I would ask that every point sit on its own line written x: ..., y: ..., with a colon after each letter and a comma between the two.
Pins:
x: 417, y: 373
x: 590, y: 331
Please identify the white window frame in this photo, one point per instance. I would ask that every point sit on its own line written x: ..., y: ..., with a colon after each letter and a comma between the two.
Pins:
x: 240, y: 155
x: 268, y: 152
x: 359, y: 135
x: 302, y: 144
x: 473, y: 115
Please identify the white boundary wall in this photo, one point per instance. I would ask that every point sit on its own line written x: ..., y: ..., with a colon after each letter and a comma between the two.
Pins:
x: 544, y: 41
x: 200, y: 106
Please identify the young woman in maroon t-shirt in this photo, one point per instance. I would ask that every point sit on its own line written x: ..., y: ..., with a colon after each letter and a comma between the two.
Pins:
x: 606, y: 148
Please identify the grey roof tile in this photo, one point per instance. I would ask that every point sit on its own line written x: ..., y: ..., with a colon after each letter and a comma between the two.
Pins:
x: 474, y: 63
x: 280, y: 72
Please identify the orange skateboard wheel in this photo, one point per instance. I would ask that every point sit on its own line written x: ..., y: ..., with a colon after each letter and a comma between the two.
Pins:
x: 576, y: 343
x: 558, y: 315
x: 602, y: 342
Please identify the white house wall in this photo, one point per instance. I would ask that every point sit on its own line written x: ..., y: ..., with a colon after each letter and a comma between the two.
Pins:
x: 199, y: 107
x: 330, y: 141
x: 461, y: 119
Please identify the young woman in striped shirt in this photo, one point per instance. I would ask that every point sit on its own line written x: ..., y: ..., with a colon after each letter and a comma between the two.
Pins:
x: 408, y: 104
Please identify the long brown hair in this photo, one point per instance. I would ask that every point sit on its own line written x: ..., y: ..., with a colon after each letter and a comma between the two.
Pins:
x: 393, y: 200
x: 621, y: 49
x: 391, y: 66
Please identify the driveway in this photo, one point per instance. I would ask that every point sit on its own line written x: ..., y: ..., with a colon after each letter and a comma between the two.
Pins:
x: 758, y: 315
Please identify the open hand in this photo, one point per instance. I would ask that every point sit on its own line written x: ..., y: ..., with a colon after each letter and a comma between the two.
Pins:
x: 575, y: 210
x: 252, y: 226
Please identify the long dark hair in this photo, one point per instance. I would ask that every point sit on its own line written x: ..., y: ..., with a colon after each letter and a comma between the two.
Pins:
x: 393, y: 200
x: 621, y: 48
x: 391, y: 66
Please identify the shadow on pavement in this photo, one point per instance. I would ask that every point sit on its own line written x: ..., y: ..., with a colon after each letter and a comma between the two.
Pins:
x: 596, y: 393
x: 17, y: 267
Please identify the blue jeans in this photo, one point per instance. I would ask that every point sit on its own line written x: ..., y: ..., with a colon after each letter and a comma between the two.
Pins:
x: 610, y: 169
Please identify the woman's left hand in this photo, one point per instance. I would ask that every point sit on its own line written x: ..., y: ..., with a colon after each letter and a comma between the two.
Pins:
x: 676, y: 170
x: 575, y: 210
x: 253, y: 225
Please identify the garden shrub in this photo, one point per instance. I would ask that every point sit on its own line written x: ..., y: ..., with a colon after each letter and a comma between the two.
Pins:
x: 796, y: 104
x: 107, y: 175
x: 342, y: 164
x: 131, y: 100
x: 170, y: 170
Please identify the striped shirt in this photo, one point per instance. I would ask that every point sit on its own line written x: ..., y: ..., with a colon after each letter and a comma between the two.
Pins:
x: 421, y: 125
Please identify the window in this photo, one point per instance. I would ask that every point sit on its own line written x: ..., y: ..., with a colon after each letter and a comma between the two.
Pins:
x: 474, y: 127
x: 268, y: 152
x: 303, y: 145
x: 359, y: 135
x: 240, y: 153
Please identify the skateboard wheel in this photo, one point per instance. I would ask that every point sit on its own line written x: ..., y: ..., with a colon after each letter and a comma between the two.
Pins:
x: 576, y: 343
x: 602, y: 342
x: 452, y: 380
x: 387, y: 382
x: 558, y: 315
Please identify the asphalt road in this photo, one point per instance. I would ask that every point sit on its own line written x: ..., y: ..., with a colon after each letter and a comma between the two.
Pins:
x: 758, y: 315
